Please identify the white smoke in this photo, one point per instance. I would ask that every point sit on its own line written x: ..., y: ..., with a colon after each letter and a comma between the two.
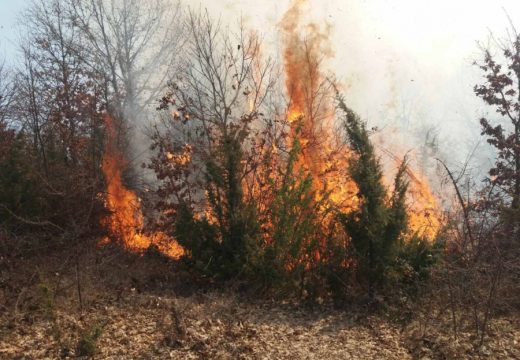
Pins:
x: 406, y: 65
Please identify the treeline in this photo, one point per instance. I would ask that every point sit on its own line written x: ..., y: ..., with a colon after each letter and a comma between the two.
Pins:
x: 78, y: 61
x: 232, y: 186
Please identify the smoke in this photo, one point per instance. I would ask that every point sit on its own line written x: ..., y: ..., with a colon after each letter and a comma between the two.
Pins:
x: 405, y: 66
x: 156, y: 50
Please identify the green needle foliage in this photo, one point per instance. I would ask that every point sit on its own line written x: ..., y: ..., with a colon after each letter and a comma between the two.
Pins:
x: 294, y: 219
x: 377, y: 225
x: 224, y: 247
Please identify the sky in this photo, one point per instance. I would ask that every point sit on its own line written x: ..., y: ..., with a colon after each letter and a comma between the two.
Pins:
x: 9, y: 10
x: 405, y: 65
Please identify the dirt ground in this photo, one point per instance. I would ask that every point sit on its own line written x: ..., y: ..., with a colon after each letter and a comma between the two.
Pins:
x: 132, y: 307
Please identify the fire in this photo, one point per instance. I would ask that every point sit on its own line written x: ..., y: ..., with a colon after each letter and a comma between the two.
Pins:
x: 423, y: 213
x: 126, y: 220
x: 312, y: 119
x: 311, y: 108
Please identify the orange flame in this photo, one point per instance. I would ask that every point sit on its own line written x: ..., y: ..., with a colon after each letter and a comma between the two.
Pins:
x: 310, y: 108
x: 310, y: 104
x: 126, y: 220
x: 424, y: 218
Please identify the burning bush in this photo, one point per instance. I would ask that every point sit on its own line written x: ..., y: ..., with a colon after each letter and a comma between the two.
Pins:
x: 253, y: 188
x: 224, y: 246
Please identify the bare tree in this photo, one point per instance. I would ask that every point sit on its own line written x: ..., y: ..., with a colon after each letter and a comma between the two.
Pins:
x: 7, y: 89
x: 132, y: 46
x: 222, y: 79
x: 52, y: 79
x: 214, y: 135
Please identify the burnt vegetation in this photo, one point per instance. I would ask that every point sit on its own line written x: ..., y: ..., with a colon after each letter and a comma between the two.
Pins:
x: 255, y: 176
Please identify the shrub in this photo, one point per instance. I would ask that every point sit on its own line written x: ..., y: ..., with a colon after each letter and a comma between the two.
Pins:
x: 293, y: 225
x: 414, y: 260
x: 18, y: 184
x: 87, y: 344
x: 226, y: 244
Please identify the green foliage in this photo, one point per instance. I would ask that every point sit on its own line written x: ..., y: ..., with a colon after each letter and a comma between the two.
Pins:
x: 87, y: 344
x: 47, y: 299
x: 413, y: 262
x: 294, y: 225
x: 47, y: 306
x: 378, y: 224
x: 32, y: 198
x: 199, y: 237
x: 237, y: 226
x: 18, y: 186
x: 225, y: 247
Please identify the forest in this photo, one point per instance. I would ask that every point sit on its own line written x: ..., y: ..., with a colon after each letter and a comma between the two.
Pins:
x: 173, y: 186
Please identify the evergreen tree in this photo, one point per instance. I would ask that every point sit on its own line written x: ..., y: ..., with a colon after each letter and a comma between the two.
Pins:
x: 294, y: 219
x: 225, y: 245
x: 377, y: 225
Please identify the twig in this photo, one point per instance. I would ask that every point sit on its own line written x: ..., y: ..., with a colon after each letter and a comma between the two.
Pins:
x: 78, y: 282
x: 461, y: 201
x: 31, y: 222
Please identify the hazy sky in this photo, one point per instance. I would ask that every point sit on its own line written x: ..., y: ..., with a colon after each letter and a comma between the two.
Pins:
x: 405, y: 64
x: 8, y: 21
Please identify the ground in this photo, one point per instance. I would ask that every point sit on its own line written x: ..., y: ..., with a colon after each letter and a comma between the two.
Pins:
x: 146, y: 307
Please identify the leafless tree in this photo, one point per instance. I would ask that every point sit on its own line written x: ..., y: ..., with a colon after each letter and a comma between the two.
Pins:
x: 132, y: 47
x: 55, y: 90
x: 222, y: 77
x: 6, y: 92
